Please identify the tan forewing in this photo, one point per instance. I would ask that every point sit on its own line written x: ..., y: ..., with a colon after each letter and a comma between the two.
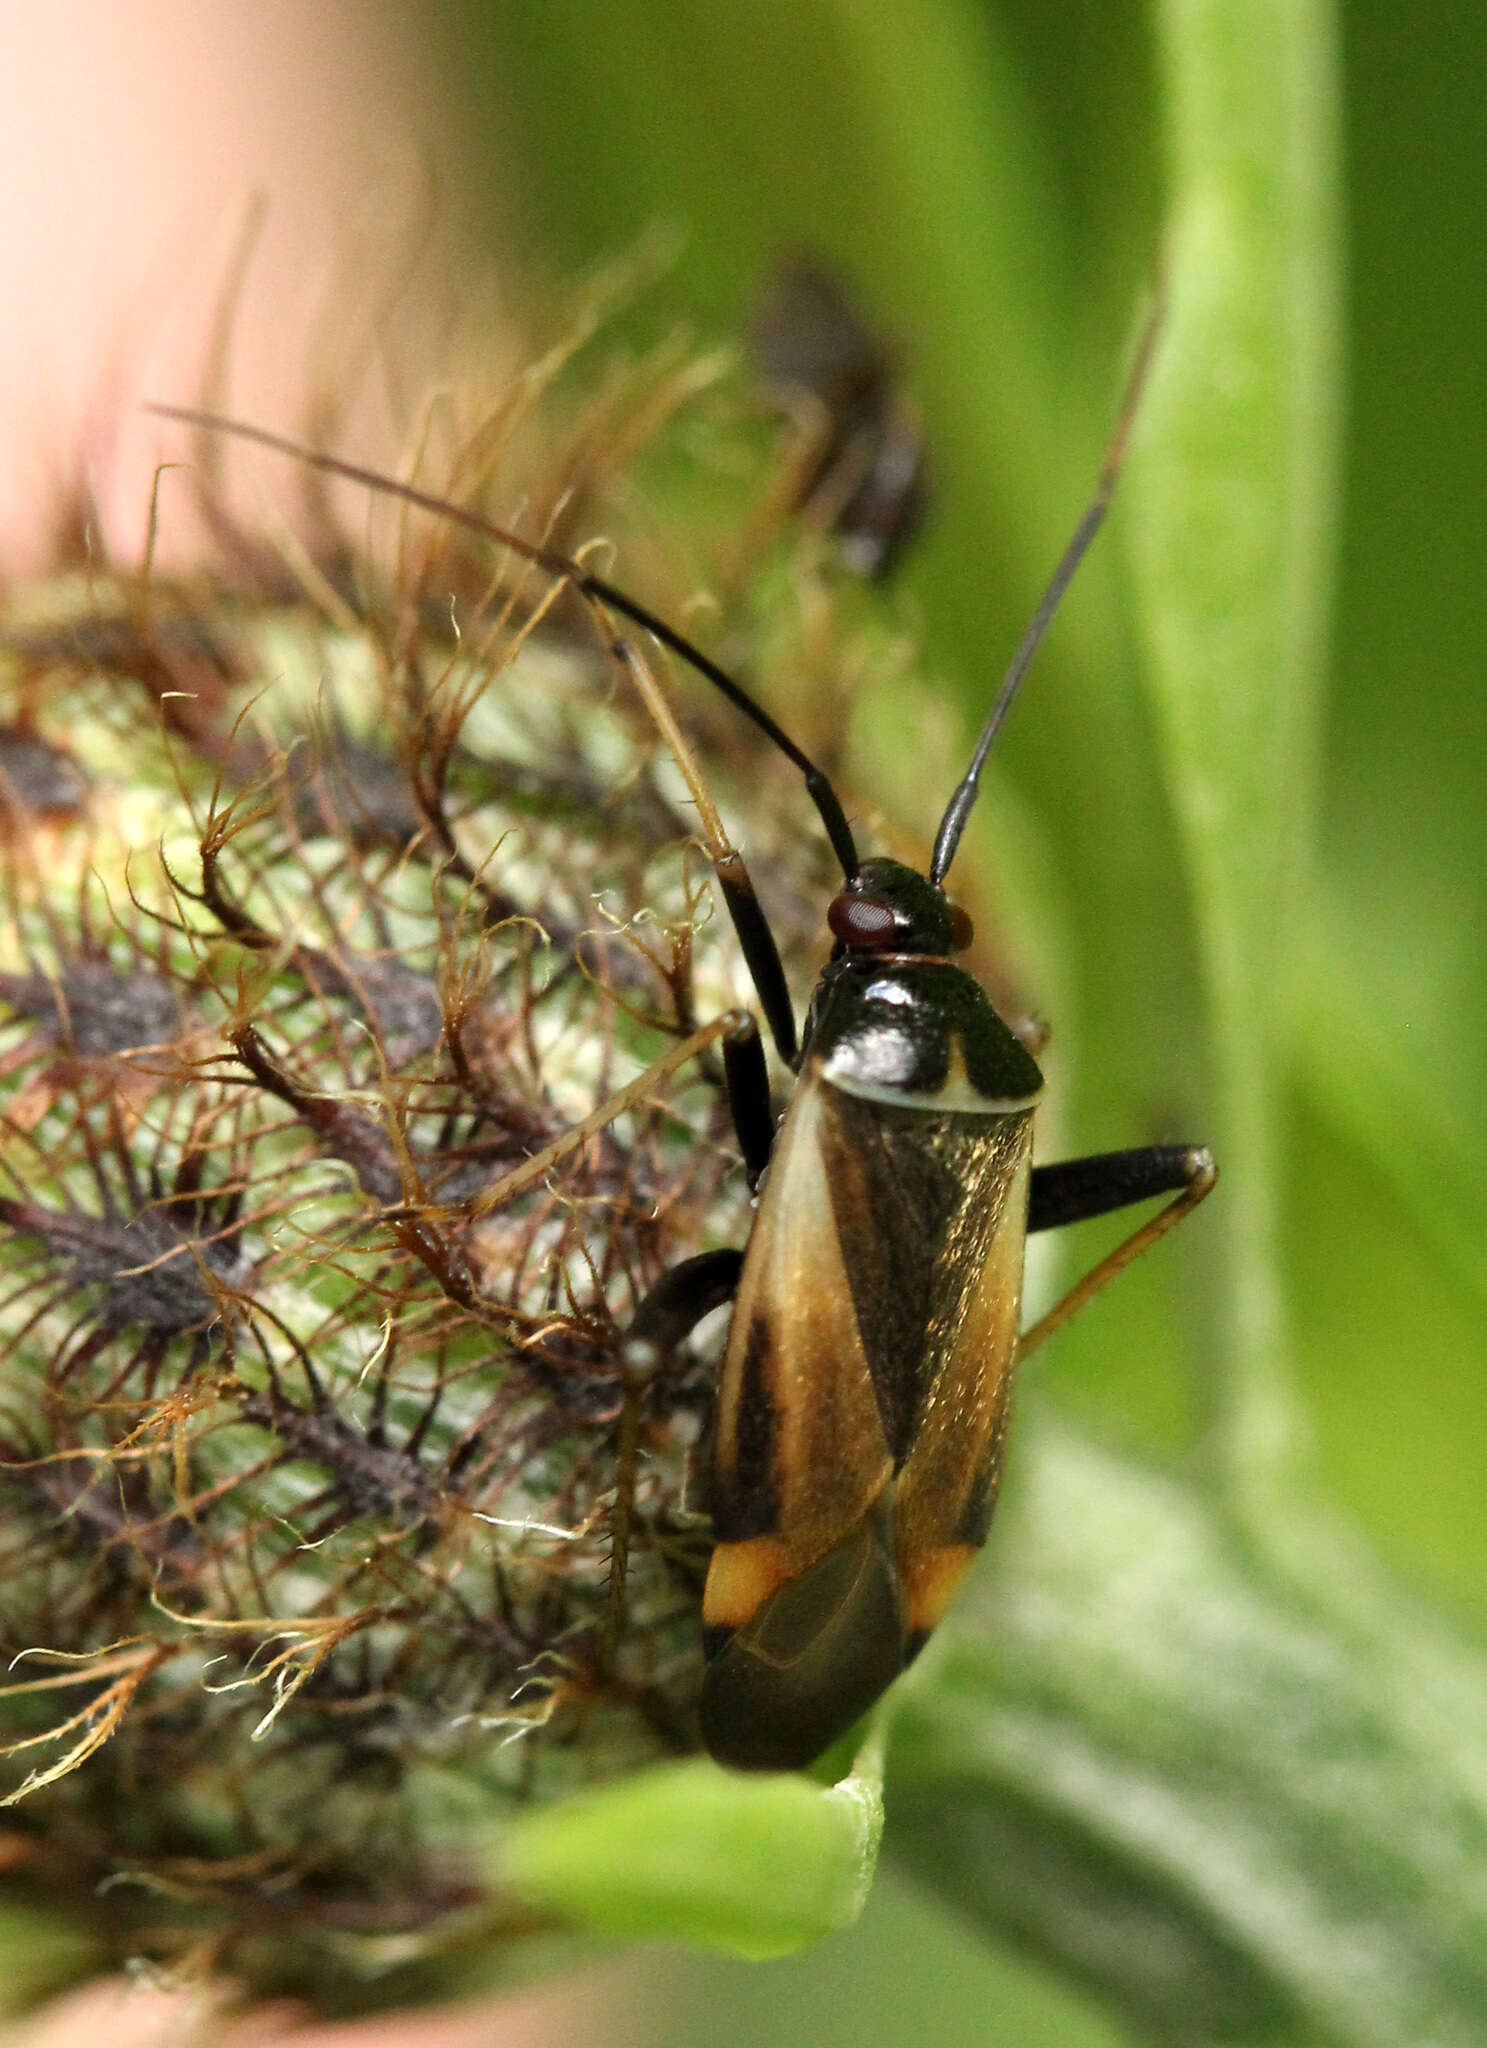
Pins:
x: 932, y: 1218
x: 947, y: 1485
x: 875, y: 1325
x: 922, y: 1197
x: 800, y: 1452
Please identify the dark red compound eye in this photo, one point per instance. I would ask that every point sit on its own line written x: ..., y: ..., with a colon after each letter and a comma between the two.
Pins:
x: 962, y: 931
x: 862, y: 921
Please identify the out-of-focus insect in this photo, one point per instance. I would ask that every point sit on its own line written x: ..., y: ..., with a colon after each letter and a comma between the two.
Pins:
x: 862, y: 1402
x: 859, y: 467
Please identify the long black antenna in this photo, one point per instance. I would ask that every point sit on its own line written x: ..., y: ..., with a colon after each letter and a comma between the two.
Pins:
x: 959, y: 807
x: 555, y: 563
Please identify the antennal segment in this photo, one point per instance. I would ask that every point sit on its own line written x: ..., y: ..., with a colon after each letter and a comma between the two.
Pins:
x: 947, y: 839
x: 817, y: 782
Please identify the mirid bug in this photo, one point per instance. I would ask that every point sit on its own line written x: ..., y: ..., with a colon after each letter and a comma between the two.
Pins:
x: 862, y: 1401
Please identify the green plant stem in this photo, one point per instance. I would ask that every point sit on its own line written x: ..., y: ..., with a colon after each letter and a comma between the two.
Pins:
x: 1230, y: 521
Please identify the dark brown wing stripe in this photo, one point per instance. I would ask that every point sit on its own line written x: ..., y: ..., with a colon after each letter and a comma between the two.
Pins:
x: 750, y: 1507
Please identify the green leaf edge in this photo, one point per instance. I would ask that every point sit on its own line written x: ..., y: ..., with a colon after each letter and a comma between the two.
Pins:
x: 753, y: 1867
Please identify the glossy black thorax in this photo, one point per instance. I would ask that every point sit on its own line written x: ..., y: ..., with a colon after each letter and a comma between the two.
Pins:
x: 901, y: 1019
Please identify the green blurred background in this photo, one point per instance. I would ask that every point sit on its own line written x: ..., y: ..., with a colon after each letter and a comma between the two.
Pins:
x: 991, y: 177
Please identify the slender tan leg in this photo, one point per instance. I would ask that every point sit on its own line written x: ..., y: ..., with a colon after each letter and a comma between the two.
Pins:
x: 1202, y: 1175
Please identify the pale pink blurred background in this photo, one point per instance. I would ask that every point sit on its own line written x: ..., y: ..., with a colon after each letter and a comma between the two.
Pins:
x: 118, y: 2015
x: 139, y: 139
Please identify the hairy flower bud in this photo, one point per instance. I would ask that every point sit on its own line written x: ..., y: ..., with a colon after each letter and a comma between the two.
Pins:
x: 353, y: 921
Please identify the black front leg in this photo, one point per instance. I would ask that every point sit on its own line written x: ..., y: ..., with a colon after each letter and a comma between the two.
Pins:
x: 748, y: 1094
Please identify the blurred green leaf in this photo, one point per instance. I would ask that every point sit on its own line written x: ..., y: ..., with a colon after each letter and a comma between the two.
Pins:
x: 752, y: 1866
x: 1141, y: 1753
